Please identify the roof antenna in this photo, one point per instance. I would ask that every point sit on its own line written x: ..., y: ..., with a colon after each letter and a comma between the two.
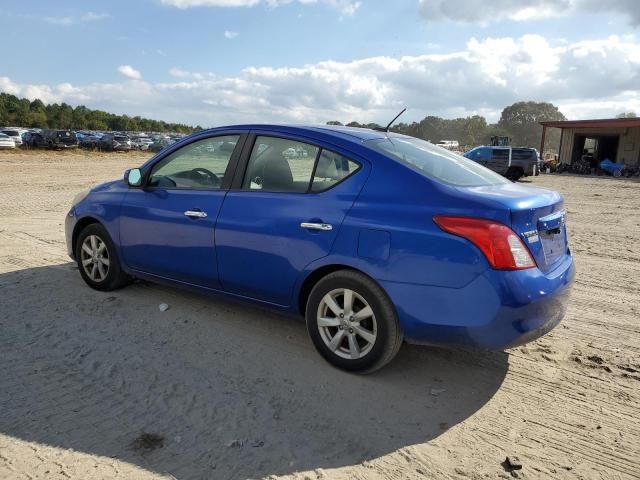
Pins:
x: 386, y: 129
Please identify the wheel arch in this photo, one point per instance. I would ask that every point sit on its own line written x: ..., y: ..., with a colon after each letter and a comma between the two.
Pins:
x: 79, y: 226
x: 318, y: 274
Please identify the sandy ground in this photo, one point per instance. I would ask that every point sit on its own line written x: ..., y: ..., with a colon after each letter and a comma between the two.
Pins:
x: 104, y: 385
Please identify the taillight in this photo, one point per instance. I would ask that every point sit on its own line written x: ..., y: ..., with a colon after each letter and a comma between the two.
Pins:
x: 499, y: 244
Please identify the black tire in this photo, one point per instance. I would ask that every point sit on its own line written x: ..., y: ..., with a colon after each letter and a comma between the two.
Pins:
x: 514, y: 174
x: 388, y: 336
x: 115, y: 278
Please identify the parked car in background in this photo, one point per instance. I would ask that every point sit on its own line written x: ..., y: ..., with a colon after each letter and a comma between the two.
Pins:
x: 448, y: 144
x: 141, y: 143
x: 374, y: 237
x: 15, y: 134
x: 6, y: 142
x: 511, y: 162
x: 90, y: 141
x: 115, y: 142
x: 29, y: 138
x: 56, y: 139
x: 159, y: 144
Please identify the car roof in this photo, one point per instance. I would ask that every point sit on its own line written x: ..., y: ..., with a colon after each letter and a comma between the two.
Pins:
x: 344, y: 133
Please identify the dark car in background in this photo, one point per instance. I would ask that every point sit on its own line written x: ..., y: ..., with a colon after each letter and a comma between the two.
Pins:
x: 30, y: 138
x: 90, y: 141
x: 511, y: 162
x: 114, y: 142
x: 56, y: 139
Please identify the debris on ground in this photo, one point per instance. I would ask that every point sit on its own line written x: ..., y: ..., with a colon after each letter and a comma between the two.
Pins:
x: 437, y: 391
x: 147, y: 442
x: 234, y: 444
x: 163, y: 307
x: 513, y: 463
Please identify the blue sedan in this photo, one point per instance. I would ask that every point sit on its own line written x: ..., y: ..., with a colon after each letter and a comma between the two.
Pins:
x: 374, y: 237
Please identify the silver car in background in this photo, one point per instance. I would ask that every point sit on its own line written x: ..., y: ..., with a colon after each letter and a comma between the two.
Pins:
x: 6, y: 142
x: 14, y: 134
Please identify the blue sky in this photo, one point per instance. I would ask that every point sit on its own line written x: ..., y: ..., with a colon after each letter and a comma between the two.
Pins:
x: 224, y: 61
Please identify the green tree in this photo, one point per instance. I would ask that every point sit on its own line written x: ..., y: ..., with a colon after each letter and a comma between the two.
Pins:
x: 627, y: 115
x: 522, y: 121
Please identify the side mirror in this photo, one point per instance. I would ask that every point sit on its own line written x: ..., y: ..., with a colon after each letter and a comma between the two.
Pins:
x: 133, y: 177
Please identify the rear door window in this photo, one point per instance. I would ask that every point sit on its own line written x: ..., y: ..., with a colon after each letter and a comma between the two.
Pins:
x: 500, y: 154
x: 522, y: 154
x: 280, y: 165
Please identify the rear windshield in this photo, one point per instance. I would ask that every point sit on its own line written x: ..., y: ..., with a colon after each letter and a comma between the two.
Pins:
x: 120, y: 138
x: 10, y: 133
x: 436, y: 163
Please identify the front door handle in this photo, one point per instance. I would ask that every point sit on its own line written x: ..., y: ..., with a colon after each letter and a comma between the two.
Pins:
x: 195, y: 214
x: 316, y: 226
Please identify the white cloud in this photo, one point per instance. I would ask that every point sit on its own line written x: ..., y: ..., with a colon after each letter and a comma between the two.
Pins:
x: 76, y: 19
x: 129, y: 72
x: 484, y: 77
x: 230, y: 35
x: 345, y: 7
x: 482, y: 11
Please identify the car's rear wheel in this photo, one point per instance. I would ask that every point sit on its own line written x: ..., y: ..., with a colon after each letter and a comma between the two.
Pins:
x: 352, y: 322
x: 98, y: 260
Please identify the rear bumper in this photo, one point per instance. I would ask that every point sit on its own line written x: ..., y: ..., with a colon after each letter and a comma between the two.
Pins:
x: 496, y: 310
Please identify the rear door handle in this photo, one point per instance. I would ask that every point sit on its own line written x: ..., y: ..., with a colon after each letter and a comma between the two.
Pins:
x: 195, y: 214
x: 316, y: 226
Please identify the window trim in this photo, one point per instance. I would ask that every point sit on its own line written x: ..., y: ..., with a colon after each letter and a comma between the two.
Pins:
x: 228, y: 174
x: 249, y: 145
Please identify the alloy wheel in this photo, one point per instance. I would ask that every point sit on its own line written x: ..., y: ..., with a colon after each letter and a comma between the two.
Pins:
x: 94, y: 257
x: 347, y: 324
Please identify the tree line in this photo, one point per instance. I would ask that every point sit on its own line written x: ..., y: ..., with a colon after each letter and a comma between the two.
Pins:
x: 520, y: 122
x: 21, y: 112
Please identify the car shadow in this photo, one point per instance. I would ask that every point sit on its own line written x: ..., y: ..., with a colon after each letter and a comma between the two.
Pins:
x: 210, y: 388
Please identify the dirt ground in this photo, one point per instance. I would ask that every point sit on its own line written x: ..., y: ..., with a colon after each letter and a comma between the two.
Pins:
x: 104, y: 385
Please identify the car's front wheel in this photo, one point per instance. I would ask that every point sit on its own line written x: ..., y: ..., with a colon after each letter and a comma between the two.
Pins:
x: 98, y: 260
x: 352, y: 322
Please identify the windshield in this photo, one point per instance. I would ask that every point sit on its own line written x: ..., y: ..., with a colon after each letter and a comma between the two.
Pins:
x: 436, y: 163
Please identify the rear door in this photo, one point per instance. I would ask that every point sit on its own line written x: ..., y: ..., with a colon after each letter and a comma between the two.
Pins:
x: 167, y: 227
x: 499, y: 161
x: 284, y: 213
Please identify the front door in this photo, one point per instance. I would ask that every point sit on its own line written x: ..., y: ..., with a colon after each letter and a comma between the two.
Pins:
x: 285, y: 215
x: 167, y: 227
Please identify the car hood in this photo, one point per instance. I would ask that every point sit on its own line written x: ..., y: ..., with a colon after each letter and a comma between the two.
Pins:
x: 110, y: 186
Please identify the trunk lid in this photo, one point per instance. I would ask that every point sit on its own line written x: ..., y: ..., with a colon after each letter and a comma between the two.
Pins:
x: 537, y: 216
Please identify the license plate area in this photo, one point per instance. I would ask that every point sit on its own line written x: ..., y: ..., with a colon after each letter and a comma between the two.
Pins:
x: 553, y: 237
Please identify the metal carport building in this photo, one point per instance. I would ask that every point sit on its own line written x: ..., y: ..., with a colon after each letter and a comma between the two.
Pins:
x: 616, y: 138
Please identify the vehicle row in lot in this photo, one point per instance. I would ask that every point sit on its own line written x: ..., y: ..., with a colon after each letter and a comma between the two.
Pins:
x: 67, y: 139
x: 374, y: 237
